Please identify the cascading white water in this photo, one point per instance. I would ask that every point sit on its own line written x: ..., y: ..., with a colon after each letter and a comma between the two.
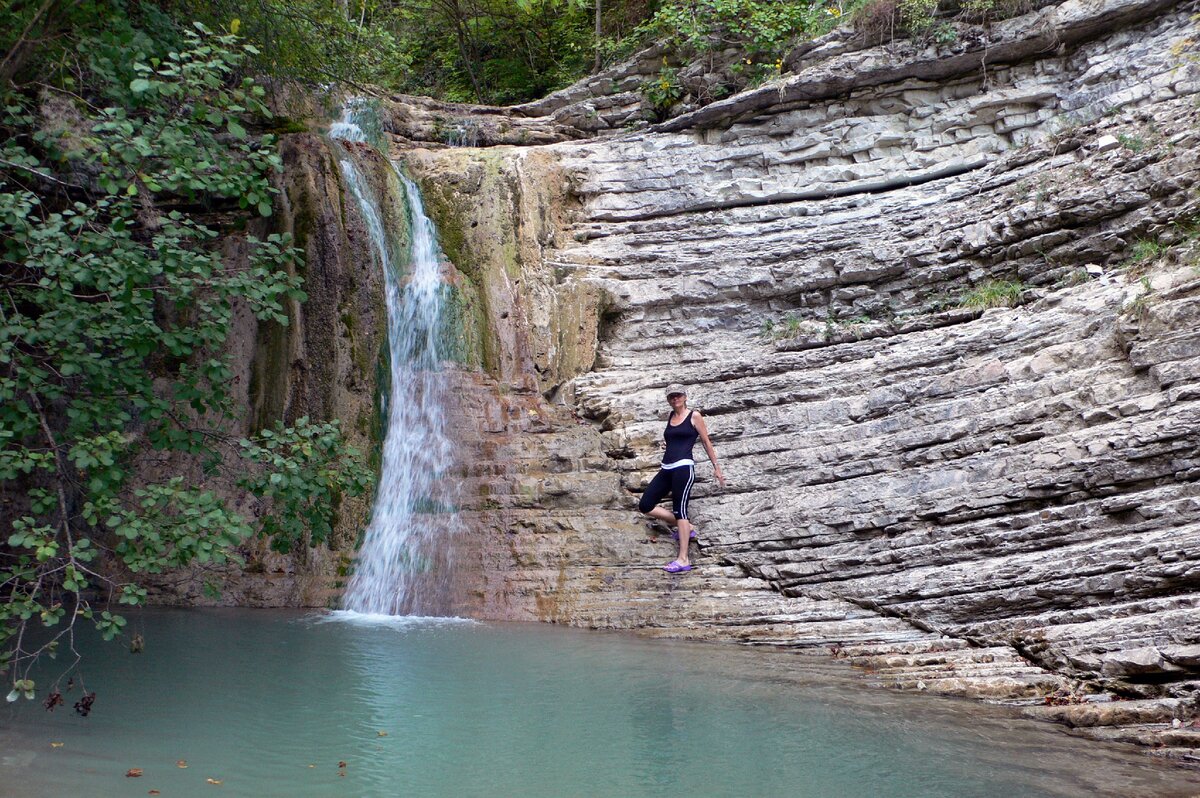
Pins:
x: 355, y: 113
x: 403, y: 565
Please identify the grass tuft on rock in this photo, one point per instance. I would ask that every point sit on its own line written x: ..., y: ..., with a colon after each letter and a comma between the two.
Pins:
x: 994, y: 294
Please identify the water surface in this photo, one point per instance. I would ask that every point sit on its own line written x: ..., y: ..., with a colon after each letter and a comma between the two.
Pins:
x: 269, y: 702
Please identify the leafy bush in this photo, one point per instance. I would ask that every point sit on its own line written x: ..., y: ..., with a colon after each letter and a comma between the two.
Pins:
x: 305, y: 468
x: 115, y: 306
x: 663, y: 91
x: 310, y: 42
x: 883, y: 20
x: 493, y: 51
x: 755, y: 27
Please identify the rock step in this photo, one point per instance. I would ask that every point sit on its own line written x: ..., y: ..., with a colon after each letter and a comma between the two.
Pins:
x: 1115, y: 713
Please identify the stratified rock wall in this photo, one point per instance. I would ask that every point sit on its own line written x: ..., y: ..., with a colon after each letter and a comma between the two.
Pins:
x: 989, y: 502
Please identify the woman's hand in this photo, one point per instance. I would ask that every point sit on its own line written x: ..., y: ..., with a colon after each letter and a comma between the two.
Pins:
x: 720, y: 476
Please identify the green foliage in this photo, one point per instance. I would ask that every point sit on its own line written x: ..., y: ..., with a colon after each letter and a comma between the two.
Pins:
x: 994, y: 294
x: 919, y: 15
x: 311, y: 41
x: 305, y: 470
x: 1142, y: 255
x: 760, y: 32
x: 663, y: 92
x: 1146, y: 249
x: 1132, y: 143
x: 494, y: 51
x: 115, y: 306
x: 924, y: 20
x: 884, y: 20
x: 986, y: 11
x: 789, y: 327
x: 756, y: 27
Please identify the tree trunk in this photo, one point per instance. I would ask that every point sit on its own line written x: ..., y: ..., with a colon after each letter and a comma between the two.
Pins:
x: 22, y: 46
x: 599, y: 33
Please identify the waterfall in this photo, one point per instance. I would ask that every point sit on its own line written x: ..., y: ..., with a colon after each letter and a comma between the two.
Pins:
x: 403, y: 565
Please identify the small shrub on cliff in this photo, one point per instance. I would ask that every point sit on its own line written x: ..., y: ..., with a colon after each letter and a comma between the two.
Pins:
x: 1133, y: 143
x: 880, y: 21
x: 1142, y: 255
x: 115, y: 307
x: 985, y: 11
x: 1146, y: 249
x: 663, y: 92
x: 994, y: 294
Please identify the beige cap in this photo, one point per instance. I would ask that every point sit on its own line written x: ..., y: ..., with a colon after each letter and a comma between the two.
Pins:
x: 674, y: 389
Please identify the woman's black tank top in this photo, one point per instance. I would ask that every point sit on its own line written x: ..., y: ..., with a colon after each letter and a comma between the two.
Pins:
x: 680, y: 440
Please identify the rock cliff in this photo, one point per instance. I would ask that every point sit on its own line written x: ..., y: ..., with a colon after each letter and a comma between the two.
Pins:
x: 996, y: 502
x: 1000, y: 502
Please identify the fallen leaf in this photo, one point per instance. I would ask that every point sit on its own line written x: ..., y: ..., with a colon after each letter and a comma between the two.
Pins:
x: 133, y: 773
x: 341, y: 763
x: 182, y: 763
x: 311, y: 765
x: 382, y: 734
x: 154, y: 792
x: 56, y: 745
x: 214, y: 781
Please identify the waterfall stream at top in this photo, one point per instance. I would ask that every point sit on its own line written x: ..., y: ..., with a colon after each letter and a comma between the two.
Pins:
x: 403, y: 566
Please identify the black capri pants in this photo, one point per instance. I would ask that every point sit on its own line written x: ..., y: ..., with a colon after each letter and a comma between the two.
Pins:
x: 678, y: 482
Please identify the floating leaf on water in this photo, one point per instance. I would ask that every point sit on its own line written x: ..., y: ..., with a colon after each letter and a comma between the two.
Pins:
x: 341, y: 763
x: 214, y: 781
x: 181, y: 763
x: 133, y: 773
x: 311, y: 765
x: 56, y: 745
x: 154, y: 792
x: 381, y: 734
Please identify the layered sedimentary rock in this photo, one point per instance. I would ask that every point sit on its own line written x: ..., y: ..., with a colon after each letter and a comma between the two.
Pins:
x: 1000, y: 503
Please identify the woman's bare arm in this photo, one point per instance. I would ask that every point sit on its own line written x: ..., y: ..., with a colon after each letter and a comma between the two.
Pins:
x: 702, y: 428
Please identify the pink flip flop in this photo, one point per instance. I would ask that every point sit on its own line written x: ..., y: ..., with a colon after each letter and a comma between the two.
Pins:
x: 675, y: 567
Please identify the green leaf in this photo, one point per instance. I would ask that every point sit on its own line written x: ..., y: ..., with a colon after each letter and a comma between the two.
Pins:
x: 139, y: 85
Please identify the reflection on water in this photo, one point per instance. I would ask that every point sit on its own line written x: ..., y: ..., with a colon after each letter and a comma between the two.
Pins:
x: 270, y: 702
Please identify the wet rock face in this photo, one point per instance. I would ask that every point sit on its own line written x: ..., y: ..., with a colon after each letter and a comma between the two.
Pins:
x: 994, y: 502
x: 323, y: 365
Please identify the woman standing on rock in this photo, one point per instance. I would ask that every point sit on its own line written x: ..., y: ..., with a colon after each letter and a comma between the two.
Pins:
x: 678, y: 472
